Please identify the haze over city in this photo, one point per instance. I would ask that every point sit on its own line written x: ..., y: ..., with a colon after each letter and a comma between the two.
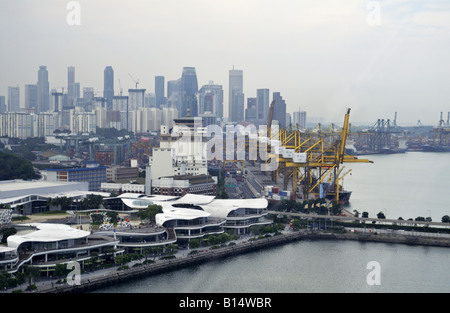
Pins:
x: 375, y: 57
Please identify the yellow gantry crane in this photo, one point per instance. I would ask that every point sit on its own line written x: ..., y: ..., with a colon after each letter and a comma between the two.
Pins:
x: 307, y: 159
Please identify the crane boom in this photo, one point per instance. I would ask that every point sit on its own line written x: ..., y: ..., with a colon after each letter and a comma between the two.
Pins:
x: 344, y: 137
x: 135, y: 81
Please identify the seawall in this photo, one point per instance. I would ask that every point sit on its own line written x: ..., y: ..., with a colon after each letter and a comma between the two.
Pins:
x: 162, y: 266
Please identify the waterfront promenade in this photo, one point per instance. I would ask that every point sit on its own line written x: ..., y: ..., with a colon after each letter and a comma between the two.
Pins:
x: 109, y: 276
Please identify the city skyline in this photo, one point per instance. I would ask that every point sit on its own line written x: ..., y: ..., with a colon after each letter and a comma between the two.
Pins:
x: 322, y: 56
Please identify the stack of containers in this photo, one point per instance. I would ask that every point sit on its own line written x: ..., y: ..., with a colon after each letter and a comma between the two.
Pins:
x: 274, y: 193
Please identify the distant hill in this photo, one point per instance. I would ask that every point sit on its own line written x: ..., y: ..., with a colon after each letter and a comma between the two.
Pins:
x: 14, y: 167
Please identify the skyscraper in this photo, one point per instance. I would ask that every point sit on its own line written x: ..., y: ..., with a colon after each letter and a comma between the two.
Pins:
x: 299, y: 119
x: 2, y: 104
x: 174, y: 94
x: 43, y: 90
x: 236, y: 96
x: 250, y: 111
x: 31, y: 96
x: 73, y: 88
x: 279, y: 113
x: 189, y: 89
x: 159, y: 91
x: 210, y: 99
x: 108, y: 86
x: 262, y: 104
x: 136, y: 99
x: 13, y: 99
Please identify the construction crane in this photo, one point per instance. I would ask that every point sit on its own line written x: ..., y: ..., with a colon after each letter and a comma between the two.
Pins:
x: 135, y: 81
x: 120, y: 88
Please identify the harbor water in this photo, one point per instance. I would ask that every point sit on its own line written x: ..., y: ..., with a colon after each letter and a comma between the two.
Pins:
x: 400, y: 185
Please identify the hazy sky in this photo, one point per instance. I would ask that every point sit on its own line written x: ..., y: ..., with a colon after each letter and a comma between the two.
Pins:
x: 323, y: 56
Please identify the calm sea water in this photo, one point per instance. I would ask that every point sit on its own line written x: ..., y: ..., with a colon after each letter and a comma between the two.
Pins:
x: 402, y: 185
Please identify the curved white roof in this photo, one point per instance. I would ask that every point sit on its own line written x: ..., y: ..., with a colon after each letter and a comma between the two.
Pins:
x: 137, y: 203
x: 172, y: 213
x: 47, y: 233
x: 222, y: 207
x: 195, y: 199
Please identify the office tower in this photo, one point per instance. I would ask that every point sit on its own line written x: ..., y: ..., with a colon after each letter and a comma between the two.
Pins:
x: 2, y: 104
x: 57, y: 101
x: 159, y: 91
x: 262, y: 104
x: 88, y: 98
x: 236, y: 96
x: 250, y: 111
x: 108, y: 87
x: 288, y: 120
x: 43, y: 90
x: 31, y: 96
x: 189, y: 89
x: 174, y: 94
x: 299, y: 119
x: 210, y: 99
x: 279, y: 113
x: 14, y: 99
x: 150, y: 100
x: 73, y: 88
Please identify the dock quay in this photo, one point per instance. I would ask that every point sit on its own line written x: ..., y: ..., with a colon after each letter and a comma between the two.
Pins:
x: 161, y: 266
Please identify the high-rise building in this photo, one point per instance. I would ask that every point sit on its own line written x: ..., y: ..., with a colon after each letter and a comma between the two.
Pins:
x: 174, y: 94
x: 31, y: 96
x: 2, y: 104
x: 189, y: 89
x: 43, y: 90
x: 262, y: 104
x: 288, y: 120
x: 57, y: 101
x: 150, y: 100
x: 13, y: 99
x: 88, y: 98
x: 250, y: 111
x: 108, y: 87
x: 136, y: 99
x: 236, y: 96
x: 299, y: 119
x: 16, y: 124
x: 73, y: 88
x: 279, y: 113
x: 159, y: 91
x: 210, y: 99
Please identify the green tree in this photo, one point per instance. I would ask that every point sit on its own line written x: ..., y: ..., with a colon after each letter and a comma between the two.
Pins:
x: 31, y: 272
x: 150, y: 212
x: 6, y: 232
x: 445, y: 219
x: 92, y: 202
